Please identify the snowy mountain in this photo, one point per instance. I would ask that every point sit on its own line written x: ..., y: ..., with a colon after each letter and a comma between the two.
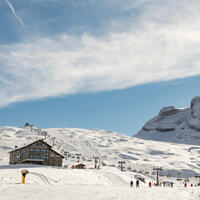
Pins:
x: 174, y: 125
x: 109, y: 147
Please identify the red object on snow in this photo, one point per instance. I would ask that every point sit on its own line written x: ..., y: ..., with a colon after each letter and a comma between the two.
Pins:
x: 149, y: 183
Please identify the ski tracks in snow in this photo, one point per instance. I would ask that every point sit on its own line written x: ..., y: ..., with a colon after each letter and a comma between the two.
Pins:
x: 42, y: 177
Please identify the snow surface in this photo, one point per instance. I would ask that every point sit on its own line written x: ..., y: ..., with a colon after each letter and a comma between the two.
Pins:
x: 107, y: 183
x: 174, y: 125
x: 141, y: 156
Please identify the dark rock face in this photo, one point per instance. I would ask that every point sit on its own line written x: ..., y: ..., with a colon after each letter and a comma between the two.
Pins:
x: 165, y: 129
x: 174, y: 125
x: 167, y: 111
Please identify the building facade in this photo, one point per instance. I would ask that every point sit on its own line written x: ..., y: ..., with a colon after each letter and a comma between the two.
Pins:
x: 38, y: 152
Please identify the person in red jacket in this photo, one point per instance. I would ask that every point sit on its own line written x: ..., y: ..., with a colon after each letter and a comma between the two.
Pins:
x: 149, y: 183
x: 185, y: 185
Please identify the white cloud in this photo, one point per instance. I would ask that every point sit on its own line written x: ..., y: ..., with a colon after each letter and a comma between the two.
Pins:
x: 155, y: 51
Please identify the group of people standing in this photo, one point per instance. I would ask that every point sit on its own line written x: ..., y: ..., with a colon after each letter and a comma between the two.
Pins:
x: 137, y: 183
x: 185, y: 185
x: 169, y: 184
x: 150, y: 184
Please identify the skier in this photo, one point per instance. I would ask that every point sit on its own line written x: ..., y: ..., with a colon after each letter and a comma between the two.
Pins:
x: 131, y: 183
x: 137, y: 183
x: 149, y: 183
x: 185, y: 185
x: 164, y: 183
x: 172, y: 184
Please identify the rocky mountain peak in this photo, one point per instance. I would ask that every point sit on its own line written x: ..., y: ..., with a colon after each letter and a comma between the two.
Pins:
x: 195, y: 107
x: 174, y: 125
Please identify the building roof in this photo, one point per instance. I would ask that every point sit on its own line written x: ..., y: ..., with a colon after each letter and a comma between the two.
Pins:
x: 57, y: 153
x: 43, y: 143
x: 80, y: 165
x: 31, y: 144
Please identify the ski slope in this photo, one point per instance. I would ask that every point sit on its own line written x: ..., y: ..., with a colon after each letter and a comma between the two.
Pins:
x: 177, y: 160
x: 109, y: 183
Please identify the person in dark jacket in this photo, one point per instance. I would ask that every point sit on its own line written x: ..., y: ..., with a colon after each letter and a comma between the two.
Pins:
x: 137, y: 183
x: 131, y: 183
x: 164, y: 183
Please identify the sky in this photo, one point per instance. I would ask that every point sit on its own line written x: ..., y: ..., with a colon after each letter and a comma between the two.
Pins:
x: 109, y: 64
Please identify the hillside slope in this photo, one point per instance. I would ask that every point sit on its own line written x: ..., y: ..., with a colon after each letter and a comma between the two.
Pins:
x: 140, y: 155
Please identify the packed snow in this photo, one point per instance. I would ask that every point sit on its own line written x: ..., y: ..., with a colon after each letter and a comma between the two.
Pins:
x: 106, y: 183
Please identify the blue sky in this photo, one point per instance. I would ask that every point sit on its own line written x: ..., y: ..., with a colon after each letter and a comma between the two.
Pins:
x: 106, y: 64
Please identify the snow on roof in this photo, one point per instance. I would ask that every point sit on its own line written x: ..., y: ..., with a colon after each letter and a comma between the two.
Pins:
x: 31, y: 144
x: 57, y: 152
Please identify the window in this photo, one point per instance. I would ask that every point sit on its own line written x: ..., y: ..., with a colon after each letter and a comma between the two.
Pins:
x: 37, y: 150
x: 45, y: 157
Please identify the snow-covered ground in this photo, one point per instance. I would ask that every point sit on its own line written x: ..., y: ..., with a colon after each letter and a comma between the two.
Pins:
x: 179, y: 161
x: 106, y: 183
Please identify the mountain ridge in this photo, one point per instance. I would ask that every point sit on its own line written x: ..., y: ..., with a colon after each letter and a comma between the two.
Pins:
x: 174, y: 125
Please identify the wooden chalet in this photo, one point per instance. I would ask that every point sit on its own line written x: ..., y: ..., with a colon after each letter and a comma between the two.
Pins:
x: 80, y: 166
x: 38, y: 152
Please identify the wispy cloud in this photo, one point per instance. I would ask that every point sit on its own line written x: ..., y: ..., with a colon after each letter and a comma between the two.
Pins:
x: 14, y: 13
x: 164, y: 47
